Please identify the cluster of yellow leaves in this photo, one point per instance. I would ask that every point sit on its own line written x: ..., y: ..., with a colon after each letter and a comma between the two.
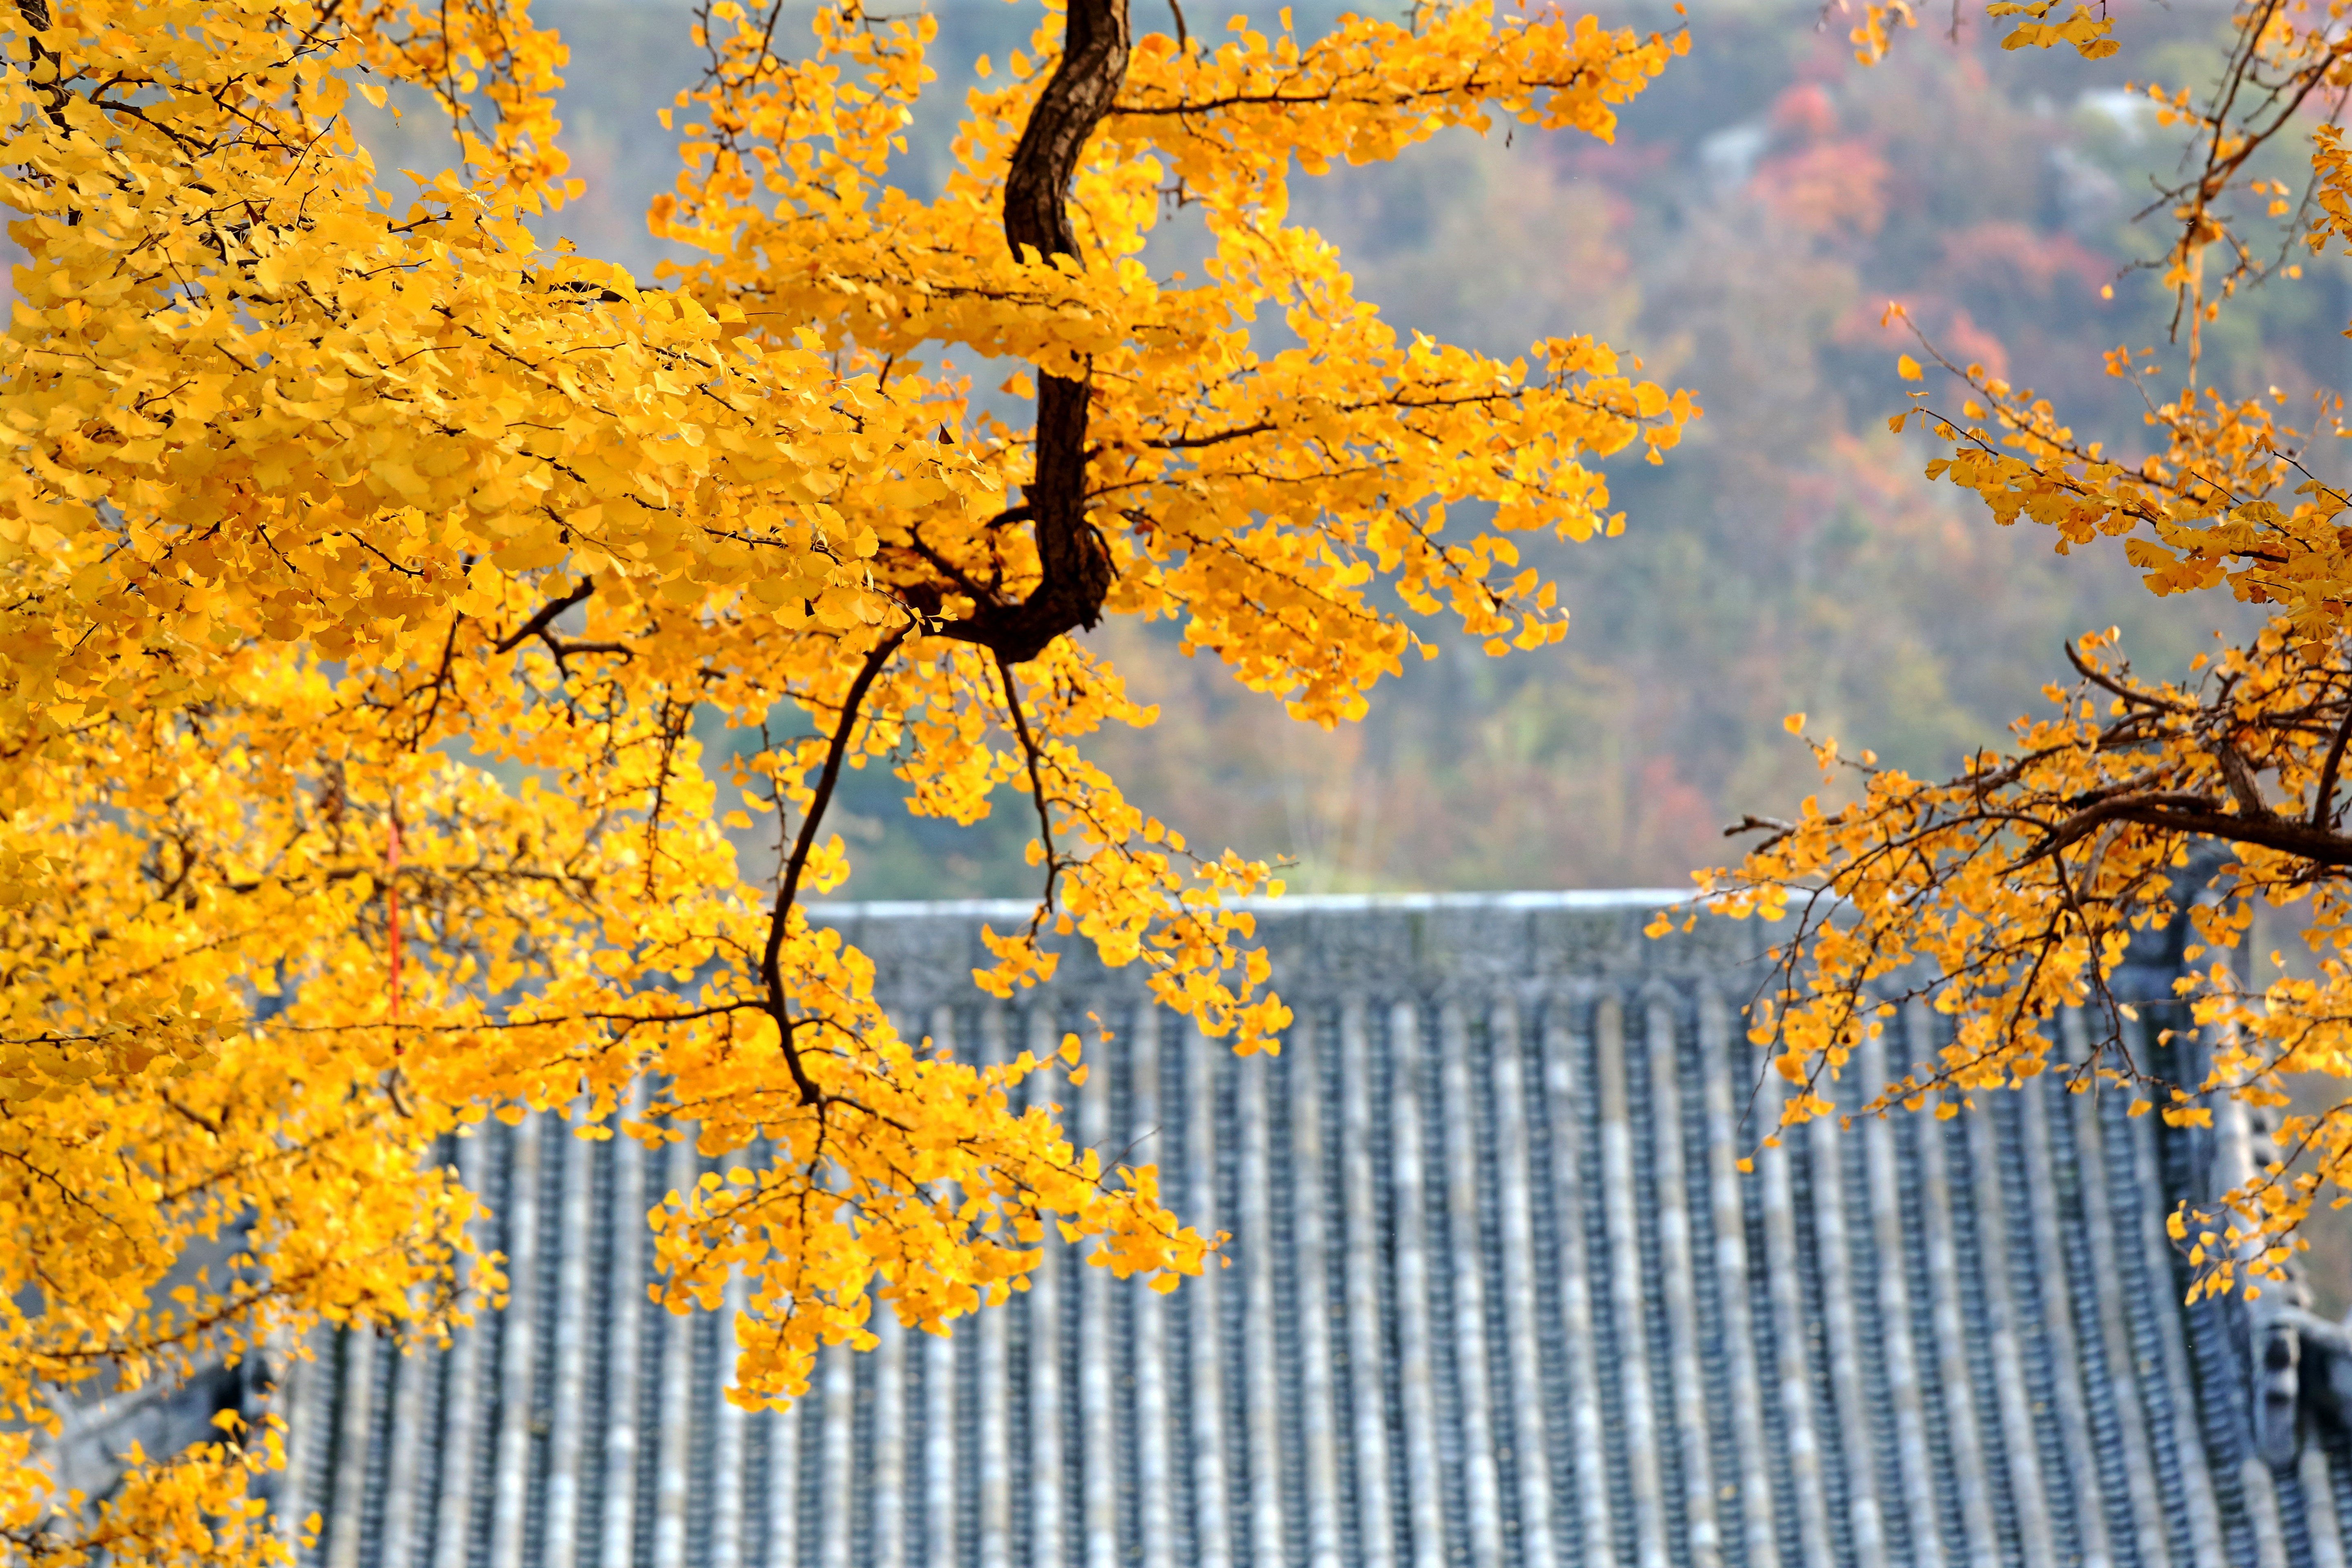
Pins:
x: 2017, y: 890
x: 2090, y: 35
x: 191, y: 1514
x: 338, y: 520
x: 1260, y: 494
x: 1870, y: 37
x: 2090, y: 32
x: 2215, y: 507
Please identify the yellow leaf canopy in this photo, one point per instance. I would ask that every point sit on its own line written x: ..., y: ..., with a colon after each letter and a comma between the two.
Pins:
x: 363, y: 565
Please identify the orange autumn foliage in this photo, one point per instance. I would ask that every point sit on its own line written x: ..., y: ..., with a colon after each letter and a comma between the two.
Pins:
x: 2018, y: 888
x: 339, y: 519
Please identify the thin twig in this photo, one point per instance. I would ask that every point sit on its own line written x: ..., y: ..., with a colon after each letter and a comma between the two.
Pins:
x: 788, y: 891
x: 1036, y: 787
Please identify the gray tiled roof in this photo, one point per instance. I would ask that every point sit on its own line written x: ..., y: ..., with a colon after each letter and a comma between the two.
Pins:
x: 1499, y: 1294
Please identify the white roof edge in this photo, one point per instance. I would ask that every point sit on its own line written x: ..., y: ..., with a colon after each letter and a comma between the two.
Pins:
x: 1595, y: 898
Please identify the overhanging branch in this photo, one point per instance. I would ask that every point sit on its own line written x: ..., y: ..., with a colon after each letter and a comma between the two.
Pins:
x: 2201, y: 816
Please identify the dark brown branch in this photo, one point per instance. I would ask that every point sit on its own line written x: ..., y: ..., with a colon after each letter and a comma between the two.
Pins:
x: 788, y: 891
x: 1074, y: 563
x: 2324, y: 798
x: 45, y: 62
x: 564, y: 649
x: 947, y: 568
x: 1036, y: 788
x: 1037, y: 186
x: 2116, y: 808
x: 2240, y: 779
x: 440, y: 683
x: 2314, y: 844
x: 546, y: 617
x: 1751, y: 822
x: 2201, y: 816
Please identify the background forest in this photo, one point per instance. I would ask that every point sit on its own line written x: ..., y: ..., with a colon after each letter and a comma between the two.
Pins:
x: 1762, y: 204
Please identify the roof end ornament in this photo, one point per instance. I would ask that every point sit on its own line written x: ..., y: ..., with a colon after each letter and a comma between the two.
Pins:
x: 2302, y: 1373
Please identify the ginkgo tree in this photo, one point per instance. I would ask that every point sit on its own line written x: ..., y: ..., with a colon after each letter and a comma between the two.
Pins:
x: 364, y: 565
x: 2017, y: 887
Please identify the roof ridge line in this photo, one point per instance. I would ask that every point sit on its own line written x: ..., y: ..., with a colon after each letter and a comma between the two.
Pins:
x: 1596, y: 899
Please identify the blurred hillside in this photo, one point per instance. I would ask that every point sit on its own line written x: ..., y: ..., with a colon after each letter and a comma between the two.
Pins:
x: 1760, y: 207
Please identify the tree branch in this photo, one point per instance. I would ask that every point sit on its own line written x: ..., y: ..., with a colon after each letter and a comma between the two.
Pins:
x: 1036, y: 785
x: 788, y: 891
x: 1074, y: 563
x: 2199, y: 814
x: 2325, y: 796
x: 547, y: 614
x: 2097, y: 677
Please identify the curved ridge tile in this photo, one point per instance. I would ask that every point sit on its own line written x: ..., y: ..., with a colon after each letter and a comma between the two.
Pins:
x: 1417, y: 1399
x: 1317, y: 1420
x: 889, y: 1460
x: 1201, y: 1372
x: 1260, y: 1469
x: 1971, y: 1478
x: 2118, y: 1369
x: 2075, y: 1464
x: 1628, y: 1302
x: 566, y: 1438
x: 993, y: 1458
x: 783, y: 1499
x: 1842, y: 1334
x: 2262, y: 1514
x: 1048, y: 1461
x: 2319, y: 1494
x: 1483, y: 1506
x: 1375, y: 1514
x: 2003, y: 1331
x: 355, y: 1397
x: 462, y: 1434
x: 1915, y: 1480
x: 1530, y: 1439
x: 1722, y: 1090
x: 1098, y: 1415
x: 1701, y: 1546
x: 412, y: 1399
x: 631, y: 1246
x: 2144, y: 1192
x: 675, y: 1396
x: 1789, y: 1336
x: 1565, y: 1085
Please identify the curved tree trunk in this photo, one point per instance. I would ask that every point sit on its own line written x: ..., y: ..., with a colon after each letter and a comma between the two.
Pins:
x: 1075, y: 562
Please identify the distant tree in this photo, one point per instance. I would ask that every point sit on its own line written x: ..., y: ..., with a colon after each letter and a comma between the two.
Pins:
x: 2019, y: 885
x: 364, y: 565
